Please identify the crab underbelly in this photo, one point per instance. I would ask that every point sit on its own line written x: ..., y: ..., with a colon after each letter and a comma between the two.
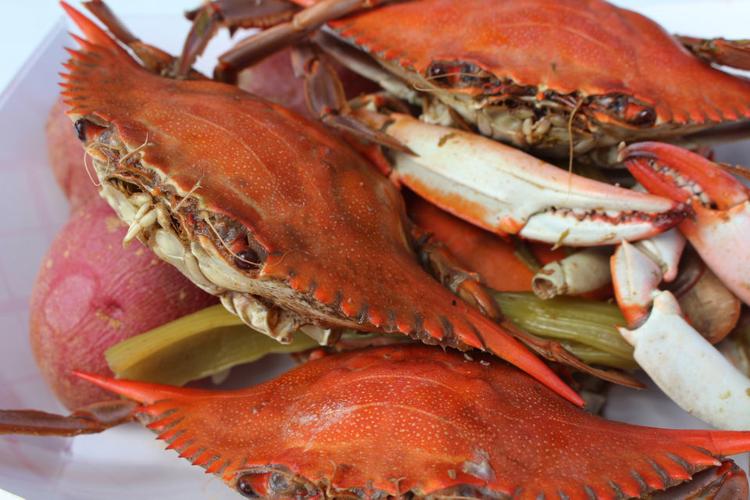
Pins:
x: 542, y: 126
x: 548, y: 134
x: 267, y: 305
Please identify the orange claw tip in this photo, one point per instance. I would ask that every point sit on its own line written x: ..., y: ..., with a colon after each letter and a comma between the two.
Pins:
x: 719, y: 185
x: 142, y: 392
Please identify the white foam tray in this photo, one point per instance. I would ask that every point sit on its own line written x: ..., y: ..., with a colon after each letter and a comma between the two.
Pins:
x: 127, y: 462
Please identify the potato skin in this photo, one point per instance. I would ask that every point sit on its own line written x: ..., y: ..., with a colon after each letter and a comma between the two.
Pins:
x: 92, y: 293
x: 65, y: 154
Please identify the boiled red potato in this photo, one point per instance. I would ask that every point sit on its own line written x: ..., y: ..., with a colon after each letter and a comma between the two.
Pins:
x: 92, y: 293
x: 66, y: 157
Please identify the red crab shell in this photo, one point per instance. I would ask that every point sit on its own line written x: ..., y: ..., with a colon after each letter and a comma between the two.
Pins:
x: 415, y: 419
x: 585, y: 46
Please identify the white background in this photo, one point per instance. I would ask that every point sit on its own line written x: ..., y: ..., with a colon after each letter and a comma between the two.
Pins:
x: 127, y: 462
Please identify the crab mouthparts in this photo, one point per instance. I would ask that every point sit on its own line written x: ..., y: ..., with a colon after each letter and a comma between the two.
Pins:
x: 217, y: 253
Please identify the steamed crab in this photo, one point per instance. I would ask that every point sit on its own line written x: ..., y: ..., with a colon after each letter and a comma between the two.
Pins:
x: 616, y: 213
x: 561, y: 79
x: 224, y: 186
x: 538, y: 74
x: 410, y: 421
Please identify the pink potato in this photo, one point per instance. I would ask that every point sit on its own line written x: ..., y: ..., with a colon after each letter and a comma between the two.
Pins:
x: 65, y: 155
x: 92, y: 293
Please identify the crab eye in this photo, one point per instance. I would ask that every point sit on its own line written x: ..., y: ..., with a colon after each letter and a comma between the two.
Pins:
x: 642, y: 115
x: 80, y: 125
x: 247, y: 259
x: 245, y: 487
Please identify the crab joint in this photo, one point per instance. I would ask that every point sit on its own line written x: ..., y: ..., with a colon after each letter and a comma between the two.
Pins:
x: 581, y: 272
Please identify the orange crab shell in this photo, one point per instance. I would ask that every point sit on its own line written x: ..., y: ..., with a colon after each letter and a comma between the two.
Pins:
x: 596, y: 48
x: 398, y: 419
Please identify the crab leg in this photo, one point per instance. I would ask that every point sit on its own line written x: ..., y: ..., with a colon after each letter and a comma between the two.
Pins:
x: 152, y: 58
x: 733, y: 53
x: 325, y: 98
x: 256, y: 47
x: 721, y: 235
x: 505, y: 190
x: 491, y: 256
x: 444, y: 266
x: 89, y: 420
x: 727, y: 481
x: 232, y: 14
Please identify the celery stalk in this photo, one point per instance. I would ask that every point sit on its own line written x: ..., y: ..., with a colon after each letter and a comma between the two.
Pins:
x: 593, y: 356
x: 195, y: 346
x: 212, y: 340
x: 586, y: 322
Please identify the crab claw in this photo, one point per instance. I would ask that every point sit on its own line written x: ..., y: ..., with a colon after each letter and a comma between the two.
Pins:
x: 505, y: 190
x: 720, y: 228
x: 635, y: 277
x: 688, y: 368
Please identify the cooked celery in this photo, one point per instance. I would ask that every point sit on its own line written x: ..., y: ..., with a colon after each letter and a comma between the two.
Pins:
x: 212, y: 340
x: 586, y: 322
x: 195, y: 346
x: 593, y: 356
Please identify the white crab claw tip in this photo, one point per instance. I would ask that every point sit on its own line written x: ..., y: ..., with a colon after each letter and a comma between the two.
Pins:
x: 688, y: 368
x: 635, y: 277
x: 666, y: 303
x: 628, y: 335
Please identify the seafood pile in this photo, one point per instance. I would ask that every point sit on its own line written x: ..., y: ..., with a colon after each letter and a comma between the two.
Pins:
x: 389, y: 231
